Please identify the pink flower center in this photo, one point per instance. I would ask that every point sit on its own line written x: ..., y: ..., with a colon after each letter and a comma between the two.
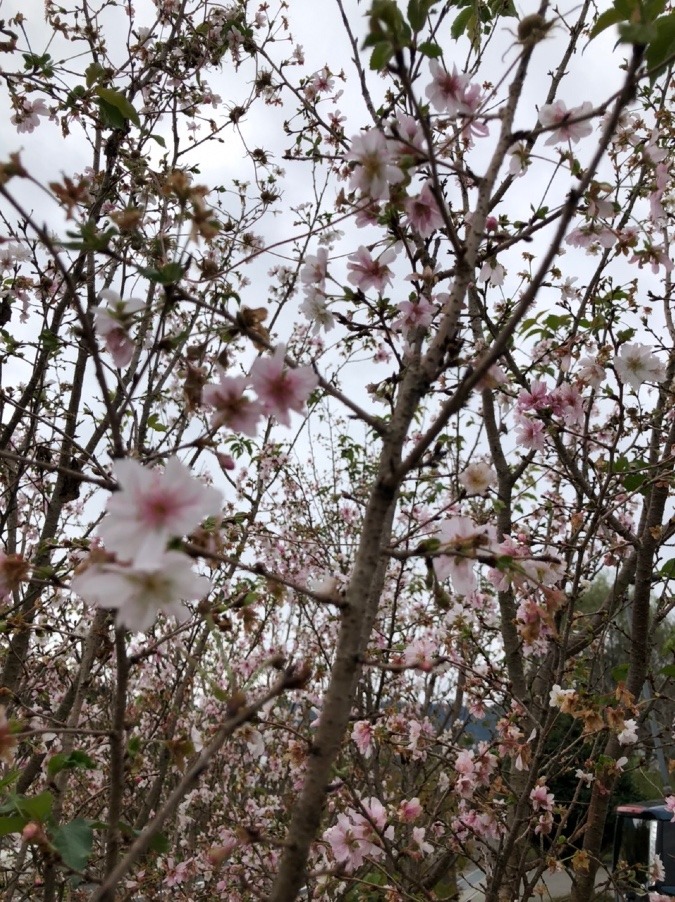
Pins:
x: 156, y: 508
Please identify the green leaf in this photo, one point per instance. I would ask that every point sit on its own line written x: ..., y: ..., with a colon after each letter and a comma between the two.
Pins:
x: 93, y: 73
x: 668, y: 670
x: 417, y: 14
x: 606, y: 20
x: 620, y: 673
x: 430, y: 49
x: 70, y: 761
x: 88, y: 238
x: 160, y: 844
x: 642, y: 33
x: 110, y: 115
x: 634, y: 481
x: 662, y: 48
x: 12, y: 825
x: 74, y: 842
x: 461, y: 23
x: 381, y: 55
x: 118, y: 101
x: 155, y: 423
x: 668, y: 569
x: 159, y: 139
x: 34, y: 808
x: 10, y: 778
x: 166, y: 275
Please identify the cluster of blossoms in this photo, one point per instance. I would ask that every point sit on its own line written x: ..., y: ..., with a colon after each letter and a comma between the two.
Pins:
x: 356, y: 836
x: 474, y: 769
x: 634, y: 364
x: 542, y: 801
x: 313, y: 275
x: 280, y: 389
x: 452, y: 93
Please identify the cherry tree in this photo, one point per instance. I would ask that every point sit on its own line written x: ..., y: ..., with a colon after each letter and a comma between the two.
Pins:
x: 336, y: 444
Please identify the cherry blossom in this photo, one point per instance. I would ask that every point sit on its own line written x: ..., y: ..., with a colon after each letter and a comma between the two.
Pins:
x: 561, y: 698
x: 410, y: 810
x: 316, y: 309
x: 410, y: 135
x: 152, y: 507
x: 446, y: 91
x: 541, y: 798
x: 461, y: 537
x: 477, y: 478
x: 315, y: 268
x: 492, y: 272
x: 232, y: 407
x: 423, y: 213
x: 628, y: 735
x: 366, y: 272
x: 138, y: 593
x: 520, y: 159
x: 375, y: 171
x: 637, y: 363
x: 556, y: 115
x: 112, y: 324
x: 362, y: 735
x: 27, y: 118
x: 280, y: 388
x: 415, y: 314
x: 418, y: 834
x: 346, y: 843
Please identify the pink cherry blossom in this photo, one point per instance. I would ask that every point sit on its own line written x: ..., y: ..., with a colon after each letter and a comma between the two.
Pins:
x: 421, y: 653
x: 232, y: 407
x: 27, y: 119
x: 531, y: 434
x: 363, y: 736
x: 541, y: 798
x: 346, y: 844
x: 411, y: 140
x: 112, y: 324
x: 537, y: 398
x: 367, y: 273
x: 139, y: 593
x: 567, y: 403
x: 280, y: 388
x: 415, y: 314
x: 446, y: 90
x: 461, y: 537
x: 315, y: 268
x: 410, y: 810
x: 375, y: 171
x: 556, y: 115
x: 152, y: 507
x: 423, y: 213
